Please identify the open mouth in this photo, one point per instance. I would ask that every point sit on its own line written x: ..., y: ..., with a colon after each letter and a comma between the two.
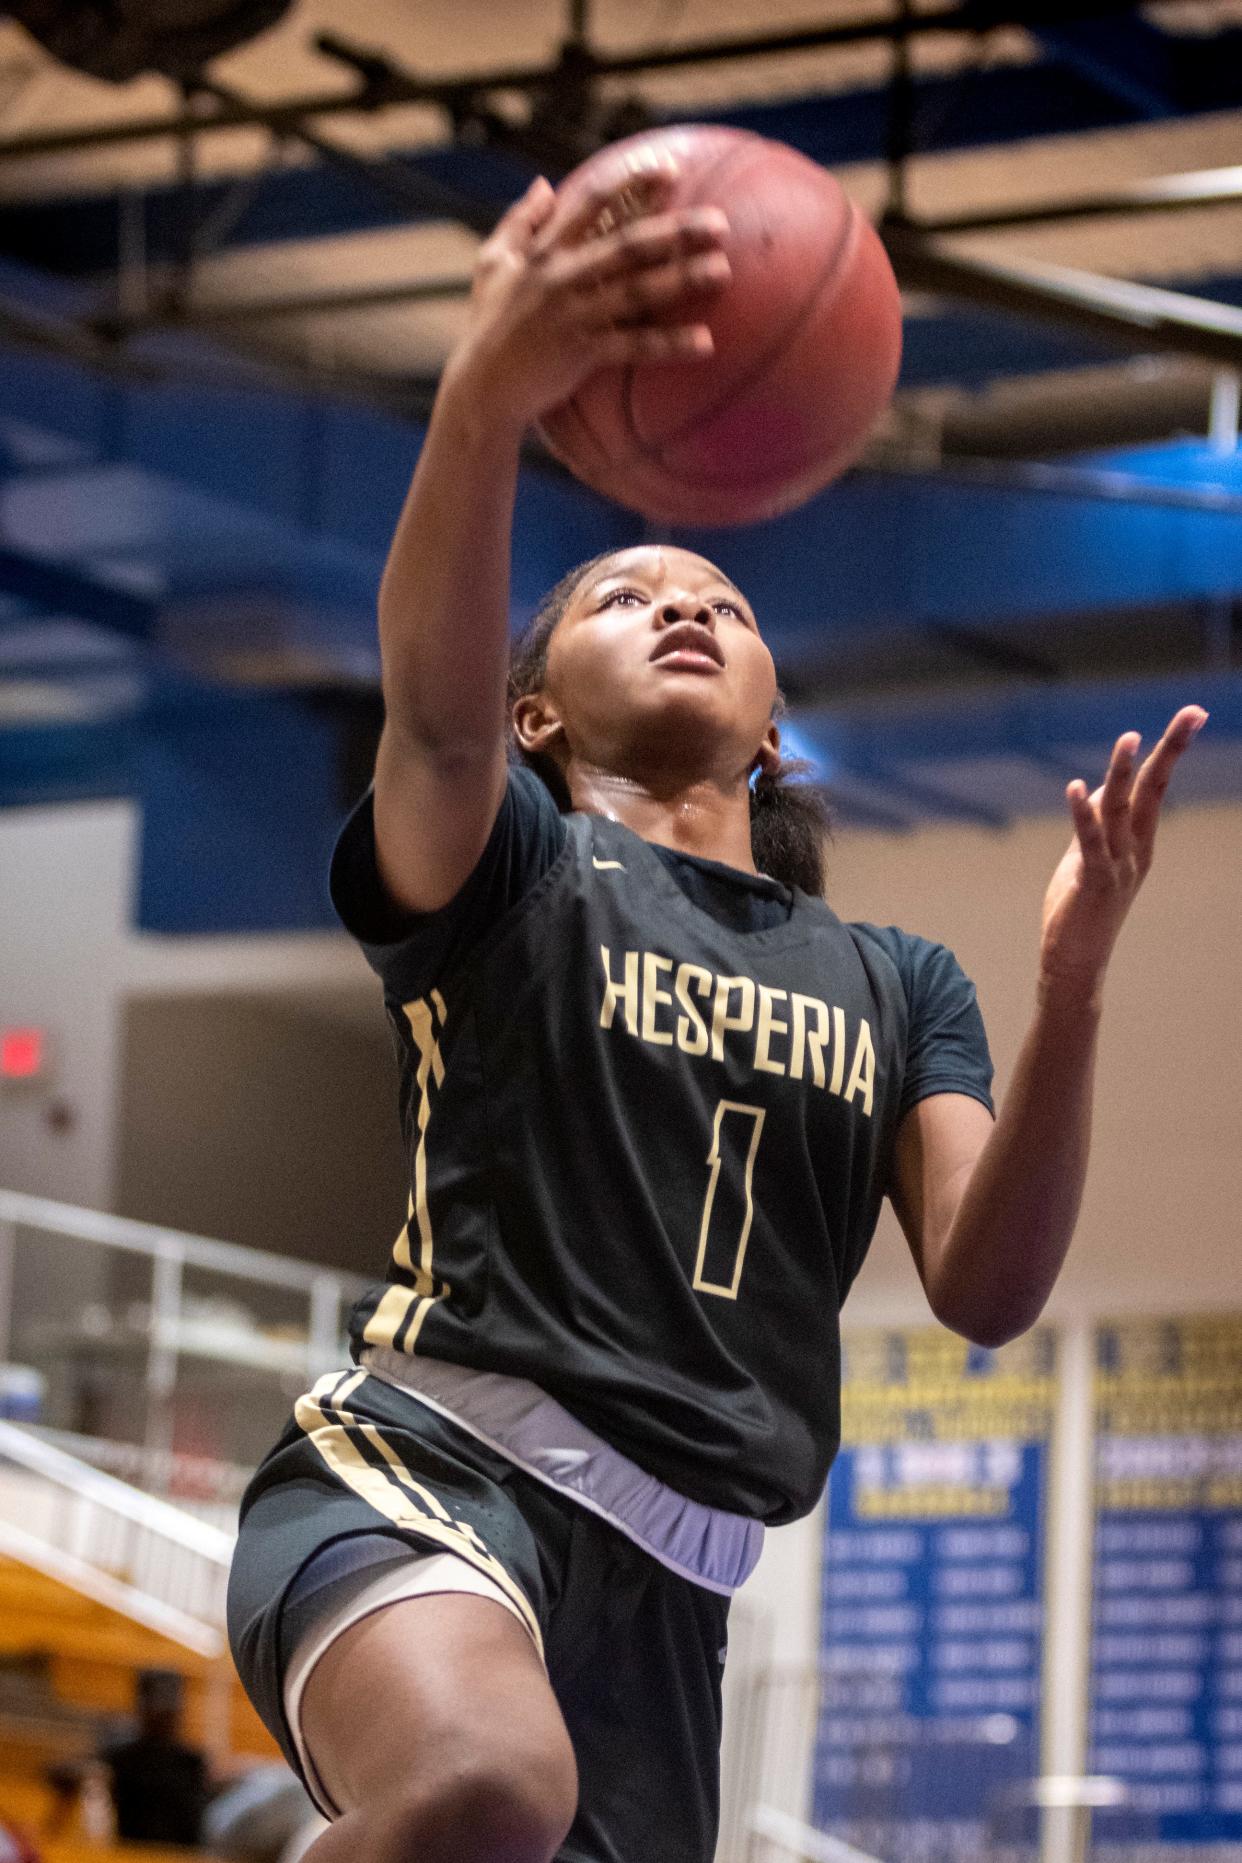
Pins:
x: 690, y: 647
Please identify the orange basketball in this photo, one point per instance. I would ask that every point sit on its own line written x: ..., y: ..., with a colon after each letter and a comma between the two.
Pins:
x: 807, y: 340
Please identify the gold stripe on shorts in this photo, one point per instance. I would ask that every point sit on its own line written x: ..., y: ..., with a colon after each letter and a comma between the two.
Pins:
x: 338, y: 1435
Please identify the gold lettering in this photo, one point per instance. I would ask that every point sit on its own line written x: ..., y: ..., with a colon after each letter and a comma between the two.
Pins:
x: 626, y: 994
x: 838, y: 1050
x: 808, y: 1009
x: 653, y: 996
x: 691, y: 1028
x: 722, y: 1021
x: 862, y: 1074
x: 768, y: 1027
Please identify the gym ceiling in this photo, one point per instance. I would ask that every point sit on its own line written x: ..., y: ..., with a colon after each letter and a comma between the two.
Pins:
x: 234, y: 243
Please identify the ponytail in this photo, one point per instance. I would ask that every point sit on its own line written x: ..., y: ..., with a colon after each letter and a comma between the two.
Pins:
x: 790, y: 823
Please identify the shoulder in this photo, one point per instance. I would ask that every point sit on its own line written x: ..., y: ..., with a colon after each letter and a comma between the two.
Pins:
x: 922, y: 965
x: 406, y: 948
x: 947, y: 1049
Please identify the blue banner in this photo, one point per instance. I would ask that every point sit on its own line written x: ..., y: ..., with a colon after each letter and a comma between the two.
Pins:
x: 932, y: 1599
x: 1166, y: 1693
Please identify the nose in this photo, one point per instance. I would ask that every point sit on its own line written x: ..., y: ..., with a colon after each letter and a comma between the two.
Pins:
x: 686, y: 608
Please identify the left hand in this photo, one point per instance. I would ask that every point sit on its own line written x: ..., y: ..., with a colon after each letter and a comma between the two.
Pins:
x: 1094, y: 886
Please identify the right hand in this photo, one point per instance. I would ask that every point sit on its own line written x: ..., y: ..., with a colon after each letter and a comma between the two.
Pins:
x: 558, y: 296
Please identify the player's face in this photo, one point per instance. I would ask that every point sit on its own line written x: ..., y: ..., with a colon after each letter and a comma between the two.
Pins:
x: 657, y: 660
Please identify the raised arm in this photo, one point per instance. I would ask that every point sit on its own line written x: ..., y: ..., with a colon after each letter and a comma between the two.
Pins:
x: 553, y: 300
x: 989, y: 1211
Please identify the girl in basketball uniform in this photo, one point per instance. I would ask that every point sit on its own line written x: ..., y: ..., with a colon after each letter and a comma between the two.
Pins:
x: 653, y: 1092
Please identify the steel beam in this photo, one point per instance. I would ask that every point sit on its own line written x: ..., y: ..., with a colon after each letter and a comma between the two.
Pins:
x: 1204, y: 187
x: 397, y: 88
x: 1131, y: 316
x: 411, y: 190
x: 298, y: 304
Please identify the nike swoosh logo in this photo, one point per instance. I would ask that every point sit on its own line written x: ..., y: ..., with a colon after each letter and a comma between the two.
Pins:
x: 604, y: 865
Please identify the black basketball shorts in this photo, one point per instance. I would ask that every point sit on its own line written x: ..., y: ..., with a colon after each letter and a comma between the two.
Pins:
x: 634, y: 1651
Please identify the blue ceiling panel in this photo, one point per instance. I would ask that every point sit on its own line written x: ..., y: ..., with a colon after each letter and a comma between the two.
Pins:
x: 66, y: 763
x: 25, y: 449
x: 240, y: 804
x: 970, y: 348
x: 992, y: 757
x: 256, y: 450
x: 953, y: 343
x: 364, y: 469
x: 113, y: 509
x: 223, y: 488
x: 1073, y: 723
x: 1124, y: 56
x: 1187, y: 462
x: 54, y: 589
x: 881, y: 551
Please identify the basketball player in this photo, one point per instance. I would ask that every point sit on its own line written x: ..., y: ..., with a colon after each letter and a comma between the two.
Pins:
x: 653, y: 1092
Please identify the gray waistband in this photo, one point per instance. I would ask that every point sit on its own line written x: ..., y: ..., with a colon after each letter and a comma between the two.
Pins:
x: 513, y: 1416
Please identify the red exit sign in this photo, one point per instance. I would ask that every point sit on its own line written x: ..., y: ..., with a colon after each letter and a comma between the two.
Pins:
x: 23, y: 1054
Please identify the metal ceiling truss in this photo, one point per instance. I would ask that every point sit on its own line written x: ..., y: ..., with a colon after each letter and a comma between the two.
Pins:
x: 1134, y: 316
x: 383, y: 84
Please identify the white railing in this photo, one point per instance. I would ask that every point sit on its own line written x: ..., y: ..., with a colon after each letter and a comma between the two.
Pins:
x: 85, y: 1296
x: 789, y: 1837
x: 203, y: 1486
x: 169, y: 1359
x: 128, y: 1550
x: 325, y: 1287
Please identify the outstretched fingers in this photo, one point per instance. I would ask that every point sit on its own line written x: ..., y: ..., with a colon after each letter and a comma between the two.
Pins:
x: 1117, y: 824
x: 1115, y: 796
x: 1154, y: 777
x: 1088, y: 827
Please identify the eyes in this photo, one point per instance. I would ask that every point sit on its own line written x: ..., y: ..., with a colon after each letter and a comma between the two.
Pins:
x: 721, y: 605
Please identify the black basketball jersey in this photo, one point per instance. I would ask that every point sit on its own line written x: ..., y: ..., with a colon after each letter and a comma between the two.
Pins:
x: 649, y: 1131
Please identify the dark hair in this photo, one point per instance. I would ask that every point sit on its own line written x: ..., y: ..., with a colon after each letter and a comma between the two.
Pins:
x: 789, y: 817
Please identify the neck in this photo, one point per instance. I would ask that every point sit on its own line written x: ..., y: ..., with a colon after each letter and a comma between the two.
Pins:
x: 700, y: 817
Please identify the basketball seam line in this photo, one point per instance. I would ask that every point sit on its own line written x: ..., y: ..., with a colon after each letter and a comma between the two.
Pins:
x: 574, y: 408
x: 653, y: 450
x: 705, y: 181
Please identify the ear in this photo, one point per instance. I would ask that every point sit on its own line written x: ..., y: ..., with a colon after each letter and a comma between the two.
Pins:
x: 536, y: 723
x: 768, y: 756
